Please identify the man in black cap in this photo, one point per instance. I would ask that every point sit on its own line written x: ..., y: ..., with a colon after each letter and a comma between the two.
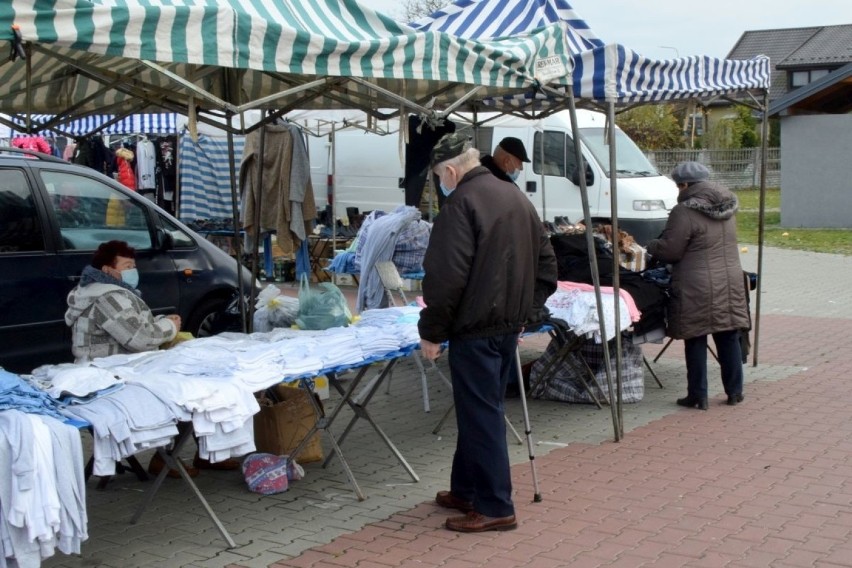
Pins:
x: 489, y: 268
x: 508, y: 160
x: 506, y: 164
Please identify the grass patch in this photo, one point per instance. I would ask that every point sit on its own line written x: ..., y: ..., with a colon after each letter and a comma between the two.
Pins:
x: 750, y: 198
x: 836, y: 241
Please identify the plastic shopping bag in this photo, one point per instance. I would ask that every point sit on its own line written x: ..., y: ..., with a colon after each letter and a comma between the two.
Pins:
x: 322, y: 307
x: 274, y: 309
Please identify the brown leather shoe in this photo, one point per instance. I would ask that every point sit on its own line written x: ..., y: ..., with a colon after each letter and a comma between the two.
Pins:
x: 449, y: 501
x: 477, y: 522
x: 156, y: 465
x: 226, y: 465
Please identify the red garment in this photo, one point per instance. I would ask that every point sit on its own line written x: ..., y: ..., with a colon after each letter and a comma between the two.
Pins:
x: 126, y: 176
x: 125, y: 173
x: 36, y: 143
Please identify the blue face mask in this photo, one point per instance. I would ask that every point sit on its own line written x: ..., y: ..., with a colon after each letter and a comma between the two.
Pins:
x: 514, y: 175
x: 130, y: 277
x: 445, y: 190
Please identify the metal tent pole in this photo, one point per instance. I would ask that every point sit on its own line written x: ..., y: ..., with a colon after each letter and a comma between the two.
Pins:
x: 256, y: 228
x: 235, y: 212
x: 761, y: 222
x: 616, y: 268
x: 332, y: 181
x: 590, y: 244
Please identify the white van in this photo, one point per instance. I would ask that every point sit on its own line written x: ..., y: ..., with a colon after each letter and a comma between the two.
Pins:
x: 369, y: 171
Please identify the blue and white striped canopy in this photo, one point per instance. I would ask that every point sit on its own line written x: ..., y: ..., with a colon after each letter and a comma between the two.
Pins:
x: 156, y: 123
x: 111, y: 56
x: 489, y: 19
x: 602, y: 72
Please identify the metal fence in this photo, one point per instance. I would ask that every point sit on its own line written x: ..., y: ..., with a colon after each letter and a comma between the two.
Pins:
x: 737, y: 169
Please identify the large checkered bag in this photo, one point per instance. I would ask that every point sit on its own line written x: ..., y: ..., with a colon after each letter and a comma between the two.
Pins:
x: 563, y: 382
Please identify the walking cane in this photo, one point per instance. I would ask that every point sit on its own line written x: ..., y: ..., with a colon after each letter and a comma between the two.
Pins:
x: 527, y: 429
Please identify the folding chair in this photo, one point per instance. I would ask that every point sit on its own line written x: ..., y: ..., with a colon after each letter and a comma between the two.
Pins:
x: 392, y: 282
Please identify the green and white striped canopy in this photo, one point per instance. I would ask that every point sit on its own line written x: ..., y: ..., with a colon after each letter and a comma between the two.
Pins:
x: 120, y: 56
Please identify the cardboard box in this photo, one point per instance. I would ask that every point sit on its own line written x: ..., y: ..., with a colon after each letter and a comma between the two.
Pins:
x: 412, y: 285
x: 280, y: 426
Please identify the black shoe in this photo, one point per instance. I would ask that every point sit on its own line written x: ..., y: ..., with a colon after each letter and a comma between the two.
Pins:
x: 693, y: 402
x: 735, y: 399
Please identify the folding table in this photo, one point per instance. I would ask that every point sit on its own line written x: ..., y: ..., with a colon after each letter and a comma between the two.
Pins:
x: 173, y: 463
x: 358, y: 404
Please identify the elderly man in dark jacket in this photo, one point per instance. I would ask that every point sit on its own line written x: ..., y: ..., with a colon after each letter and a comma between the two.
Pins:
x: 489, y: 268
x: 708, y: 295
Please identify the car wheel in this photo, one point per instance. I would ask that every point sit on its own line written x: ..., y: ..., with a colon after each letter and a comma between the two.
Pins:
x: 205, y: 318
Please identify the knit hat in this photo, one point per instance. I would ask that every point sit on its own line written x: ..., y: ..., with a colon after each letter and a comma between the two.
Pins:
x: 265, y: 473
x: 689, y: 172
x: 515, y: 147
x: 448, y: 147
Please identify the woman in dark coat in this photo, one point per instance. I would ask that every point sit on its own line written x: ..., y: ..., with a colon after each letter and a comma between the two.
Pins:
x: 707, y: 295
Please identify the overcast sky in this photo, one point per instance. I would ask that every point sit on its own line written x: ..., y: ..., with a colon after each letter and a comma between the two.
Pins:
x: 665, y: 28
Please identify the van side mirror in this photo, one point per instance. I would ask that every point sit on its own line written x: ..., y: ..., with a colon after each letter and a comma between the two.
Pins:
x: 531, y: 187
x: 590, y: 175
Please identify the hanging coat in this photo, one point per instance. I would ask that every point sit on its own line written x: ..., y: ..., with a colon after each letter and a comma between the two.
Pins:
x: 126, y: 175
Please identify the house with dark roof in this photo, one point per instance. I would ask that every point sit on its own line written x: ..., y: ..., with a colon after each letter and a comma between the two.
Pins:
x: 816, y: 135
x: 811, y: 97
x: 798, y: 57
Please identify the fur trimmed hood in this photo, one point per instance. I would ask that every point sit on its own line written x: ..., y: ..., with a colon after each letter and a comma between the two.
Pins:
x: 710, y: 199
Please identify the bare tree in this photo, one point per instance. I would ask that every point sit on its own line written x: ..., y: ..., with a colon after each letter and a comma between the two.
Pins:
x: 416, y: 9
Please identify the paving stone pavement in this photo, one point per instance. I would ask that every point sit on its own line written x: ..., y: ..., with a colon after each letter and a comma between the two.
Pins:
x: 766, y: 483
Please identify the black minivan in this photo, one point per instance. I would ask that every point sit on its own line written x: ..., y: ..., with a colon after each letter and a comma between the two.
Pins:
x: 53, y: 215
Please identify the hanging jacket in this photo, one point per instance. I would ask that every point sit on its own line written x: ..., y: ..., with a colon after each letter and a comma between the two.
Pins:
x: 276, y: 207
x: 36, y: 143
x: 126, y: 175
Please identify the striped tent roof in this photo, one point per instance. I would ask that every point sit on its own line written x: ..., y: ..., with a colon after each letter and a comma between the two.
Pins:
x: 487, y: 19
x: 154, y: 123
x: 132, y: 56
x: 602, y: 72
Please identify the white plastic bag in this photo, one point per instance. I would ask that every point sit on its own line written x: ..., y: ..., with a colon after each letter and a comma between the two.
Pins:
x: 274, y: 310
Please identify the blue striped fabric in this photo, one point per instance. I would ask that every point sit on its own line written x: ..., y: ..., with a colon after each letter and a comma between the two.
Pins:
x: 153, y: 123
x: 498, y: 18
x: 205, y: 177
x: 602, y: 72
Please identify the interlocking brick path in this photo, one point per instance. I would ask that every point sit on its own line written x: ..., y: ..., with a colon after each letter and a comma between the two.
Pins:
x: 766, y: 483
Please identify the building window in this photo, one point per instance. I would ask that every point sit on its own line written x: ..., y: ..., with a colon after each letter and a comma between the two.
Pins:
x: 802, y: 78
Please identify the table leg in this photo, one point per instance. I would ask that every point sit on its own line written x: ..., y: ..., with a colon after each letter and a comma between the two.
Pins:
x: 173, y: 463
x: 359, y: 407
x: 324, y: 422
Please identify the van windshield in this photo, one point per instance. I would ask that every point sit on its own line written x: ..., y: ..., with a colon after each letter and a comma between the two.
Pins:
x: 629, y: 159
